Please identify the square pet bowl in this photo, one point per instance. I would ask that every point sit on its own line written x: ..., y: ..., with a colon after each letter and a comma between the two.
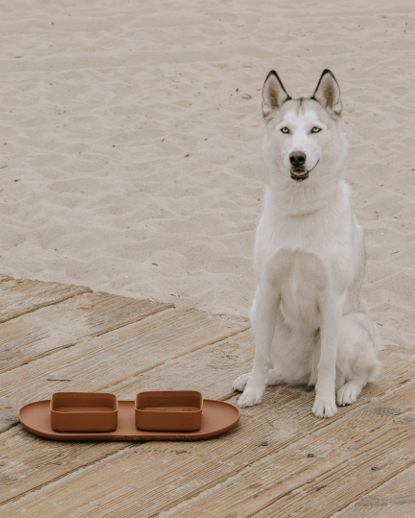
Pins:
x: 83, y: 412
x: 169, y: 411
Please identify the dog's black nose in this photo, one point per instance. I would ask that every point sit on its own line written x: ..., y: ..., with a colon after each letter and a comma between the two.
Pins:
x: 297, y: 159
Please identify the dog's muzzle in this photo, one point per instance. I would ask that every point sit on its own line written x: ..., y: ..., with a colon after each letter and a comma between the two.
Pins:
x: 298, y: 171
x: 301, y: 174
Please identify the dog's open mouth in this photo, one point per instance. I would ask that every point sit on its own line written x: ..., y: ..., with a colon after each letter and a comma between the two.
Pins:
x: 301, y: 174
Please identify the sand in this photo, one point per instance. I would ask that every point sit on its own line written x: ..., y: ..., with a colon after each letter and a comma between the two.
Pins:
x: 130, y: 141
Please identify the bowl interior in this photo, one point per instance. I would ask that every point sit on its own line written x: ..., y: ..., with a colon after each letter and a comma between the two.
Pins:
x: 169, y: 401
x: 83, y: 402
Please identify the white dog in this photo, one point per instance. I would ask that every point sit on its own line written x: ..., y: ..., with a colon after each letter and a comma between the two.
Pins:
x: 310, y: 320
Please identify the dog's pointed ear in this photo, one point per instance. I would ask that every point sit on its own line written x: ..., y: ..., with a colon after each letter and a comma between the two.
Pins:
x: 327, y: 93
x: 273, y: 93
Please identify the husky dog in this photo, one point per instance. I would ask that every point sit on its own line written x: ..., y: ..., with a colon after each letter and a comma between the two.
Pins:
x: 310, y: 321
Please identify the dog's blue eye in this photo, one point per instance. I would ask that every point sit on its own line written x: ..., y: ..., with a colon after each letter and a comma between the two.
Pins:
x: 316, y: 129
x: 285, y: 129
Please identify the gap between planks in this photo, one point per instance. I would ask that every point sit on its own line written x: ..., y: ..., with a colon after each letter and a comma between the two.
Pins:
x: 44, y: 332
x: 117, y: 355
x: 19, y: 297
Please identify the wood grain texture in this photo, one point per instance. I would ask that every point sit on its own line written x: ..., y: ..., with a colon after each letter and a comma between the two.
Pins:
x: 394, y: 499
x: 211, y: 370
x: 18, y: 297
x: 322, y: 473
x: 58, y: 326
x: 4, y: 278
x: 177, y: 472
x: 115, y: 356
x: 279, y: 461
x: 30, y: 462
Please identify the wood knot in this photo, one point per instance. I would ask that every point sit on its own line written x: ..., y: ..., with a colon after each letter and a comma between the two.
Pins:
x: 388, y: 410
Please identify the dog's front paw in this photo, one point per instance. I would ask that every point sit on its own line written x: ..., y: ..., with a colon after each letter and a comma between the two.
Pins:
x: 324, y: 408
x: 251, y: 396
x: 240, y: 383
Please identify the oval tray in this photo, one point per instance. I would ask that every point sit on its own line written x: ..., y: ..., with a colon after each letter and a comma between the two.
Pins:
x: 218, y: 417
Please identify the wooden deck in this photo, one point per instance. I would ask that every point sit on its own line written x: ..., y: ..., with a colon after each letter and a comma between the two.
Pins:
x: 279, y: 461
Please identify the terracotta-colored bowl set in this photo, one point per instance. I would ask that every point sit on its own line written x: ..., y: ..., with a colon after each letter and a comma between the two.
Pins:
x: 155, y: 415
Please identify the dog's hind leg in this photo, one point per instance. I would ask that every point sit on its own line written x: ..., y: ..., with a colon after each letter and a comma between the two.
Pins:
x: 357, y: 355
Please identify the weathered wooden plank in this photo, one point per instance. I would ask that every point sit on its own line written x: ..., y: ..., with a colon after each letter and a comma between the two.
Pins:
x: 55, y: 327
x: 176, y: 472
x: 24, y: 296
x: 40, y: 457
x: 394, y: 499
x: 30, y: 462
x: 210, y: 370
x: 110, y: 358
x: 322, y: 473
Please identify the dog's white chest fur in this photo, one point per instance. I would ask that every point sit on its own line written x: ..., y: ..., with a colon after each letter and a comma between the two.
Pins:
x: 302, y: 279
x: 303, y: 255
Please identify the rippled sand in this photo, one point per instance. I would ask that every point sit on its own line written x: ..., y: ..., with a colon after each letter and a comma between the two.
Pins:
x: 130, y: 141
